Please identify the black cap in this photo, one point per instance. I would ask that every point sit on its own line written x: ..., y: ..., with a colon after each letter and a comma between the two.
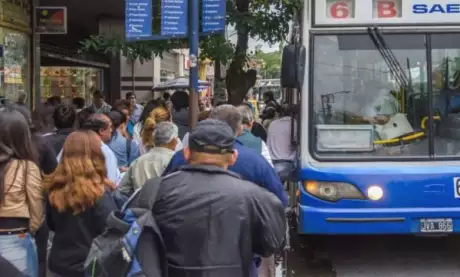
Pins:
x: 212, y: 136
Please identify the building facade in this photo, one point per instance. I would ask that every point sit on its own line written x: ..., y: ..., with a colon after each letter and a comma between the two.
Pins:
x: 141, y: 78
x: 16, y: 59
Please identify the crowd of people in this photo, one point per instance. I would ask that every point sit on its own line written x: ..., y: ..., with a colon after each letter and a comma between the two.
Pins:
x: 220, y: 205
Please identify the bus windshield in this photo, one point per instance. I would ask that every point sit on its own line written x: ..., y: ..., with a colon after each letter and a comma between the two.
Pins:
x: 369, y: 102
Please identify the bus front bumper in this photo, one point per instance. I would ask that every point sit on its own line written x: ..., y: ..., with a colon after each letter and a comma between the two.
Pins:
x: 375, y: 221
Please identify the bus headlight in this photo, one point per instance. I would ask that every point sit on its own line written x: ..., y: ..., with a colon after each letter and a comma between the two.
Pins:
x: 333, y: 191
x: 375, y: 193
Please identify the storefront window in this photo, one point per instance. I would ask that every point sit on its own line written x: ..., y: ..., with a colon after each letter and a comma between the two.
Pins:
x: 14, y: 64
x: 70, y: 82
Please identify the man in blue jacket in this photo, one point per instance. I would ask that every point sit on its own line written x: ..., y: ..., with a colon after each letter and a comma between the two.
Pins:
x: 250, y: 165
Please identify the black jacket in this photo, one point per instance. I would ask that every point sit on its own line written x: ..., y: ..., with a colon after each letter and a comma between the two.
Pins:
x: 270, y: 110
x: 56, y: 140
x: 46, y: 156
x: 74, y: 234
x: 259, y: 131
x: 180, y: 118
x: 212, y: 222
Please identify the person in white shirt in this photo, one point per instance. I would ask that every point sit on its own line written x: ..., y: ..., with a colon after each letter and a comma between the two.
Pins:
x: 282, y: 151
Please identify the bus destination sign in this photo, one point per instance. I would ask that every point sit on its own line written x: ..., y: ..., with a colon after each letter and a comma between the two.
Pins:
x: 385, y: 12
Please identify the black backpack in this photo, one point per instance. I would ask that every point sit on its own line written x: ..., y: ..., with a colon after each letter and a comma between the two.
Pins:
x: 131, y: 234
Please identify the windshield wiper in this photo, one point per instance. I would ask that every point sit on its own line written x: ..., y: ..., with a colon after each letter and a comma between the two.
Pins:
x: 390, y: 59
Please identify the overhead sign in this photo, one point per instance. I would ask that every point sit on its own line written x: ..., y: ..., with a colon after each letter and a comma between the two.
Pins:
x: 138, y: 18
x: 385, y: 12
x: 174, y: 17
x: 51, y: 20
x: 213, y: 16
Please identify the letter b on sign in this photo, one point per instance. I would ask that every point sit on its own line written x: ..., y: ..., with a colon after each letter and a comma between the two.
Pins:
x: 340, y: 9
x: 387, y: 8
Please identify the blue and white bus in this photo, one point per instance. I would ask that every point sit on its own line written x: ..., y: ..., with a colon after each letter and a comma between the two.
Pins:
x: 380, y: 117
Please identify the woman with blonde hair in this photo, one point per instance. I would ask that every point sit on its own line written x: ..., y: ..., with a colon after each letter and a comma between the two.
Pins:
x: 79, y: 201
x: 157, y: 115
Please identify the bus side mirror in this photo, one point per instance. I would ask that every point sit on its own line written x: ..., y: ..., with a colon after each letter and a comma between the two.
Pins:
x: 293, y: 66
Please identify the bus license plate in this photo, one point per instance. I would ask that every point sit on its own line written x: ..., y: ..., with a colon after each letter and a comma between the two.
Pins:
x: 436, y: 225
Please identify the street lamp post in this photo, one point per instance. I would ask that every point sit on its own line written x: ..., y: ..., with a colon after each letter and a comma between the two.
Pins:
x: 194, y: 9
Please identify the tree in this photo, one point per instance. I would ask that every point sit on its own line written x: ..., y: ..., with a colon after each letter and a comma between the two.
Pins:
x: 267, y: 20
x: 137, y: 50
x: 263, y: 19
x: 272, y: 63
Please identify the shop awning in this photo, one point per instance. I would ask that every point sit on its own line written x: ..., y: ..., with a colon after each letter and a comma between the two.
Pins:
x: 181, y: 83
x: 72, y: 56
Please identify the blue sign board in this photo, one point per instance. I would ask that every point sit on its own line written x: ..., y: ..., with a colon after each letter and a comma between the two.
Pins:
x: 174, y: 16
x: 138, y: 21
x: 213, y: 16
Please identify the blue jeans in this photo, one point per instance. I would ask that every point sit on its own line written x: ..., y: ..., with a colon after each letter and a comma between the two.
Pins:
x: 256, y: 260
x: 20, y: 250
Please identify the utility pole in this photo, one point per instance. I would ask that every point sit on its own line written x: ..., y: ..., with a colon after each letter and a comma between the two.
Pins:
x: 193, y: 41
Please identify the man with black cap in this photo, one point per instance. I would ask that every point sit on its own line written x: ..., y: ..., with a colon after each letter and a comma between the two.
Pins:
x: 211, y: 220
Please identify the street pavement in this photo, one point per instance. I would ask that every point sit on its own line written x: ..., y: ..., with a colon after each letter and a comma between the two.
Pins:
x: 371, y: 256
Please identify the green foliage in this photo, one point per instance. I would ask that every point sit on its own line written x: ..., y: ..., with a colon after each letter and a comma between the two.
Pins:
x: 272, y: 64
x: 216, y: 48
x: 265, y: 20
x: 142, y: 50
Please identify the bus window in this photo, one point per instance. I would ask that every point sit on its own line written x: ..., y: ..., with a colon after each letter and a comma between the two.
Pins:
x: 360, y: 94
x: 446, y: 92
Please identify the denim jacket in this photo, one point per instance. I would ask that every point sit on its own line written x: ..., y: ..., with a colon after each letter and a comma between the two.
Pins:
x: 119, y: 145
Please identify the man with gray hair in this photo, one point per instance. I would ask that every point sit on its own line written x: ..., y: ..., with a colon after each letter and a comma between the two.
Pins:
x: 226, y: 113
x: 230, y: 115
x: 247, y: 138
x: 153, y: 163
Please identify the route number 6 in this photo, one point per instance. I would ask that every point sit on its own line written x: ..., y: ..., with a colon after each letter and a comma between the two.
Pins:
x: 340, y: 9
x: 457, y: 187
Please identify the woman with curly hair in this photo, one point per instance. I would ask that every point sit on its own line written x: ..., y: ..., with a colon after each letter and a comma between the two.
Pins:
x: 152, y: 104
x: 78, y: 203
x: 157, y: 115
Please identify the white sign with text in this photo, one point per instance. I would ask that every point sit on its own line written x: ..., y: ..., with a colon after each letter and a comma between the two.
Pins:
x: 385, y: 12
